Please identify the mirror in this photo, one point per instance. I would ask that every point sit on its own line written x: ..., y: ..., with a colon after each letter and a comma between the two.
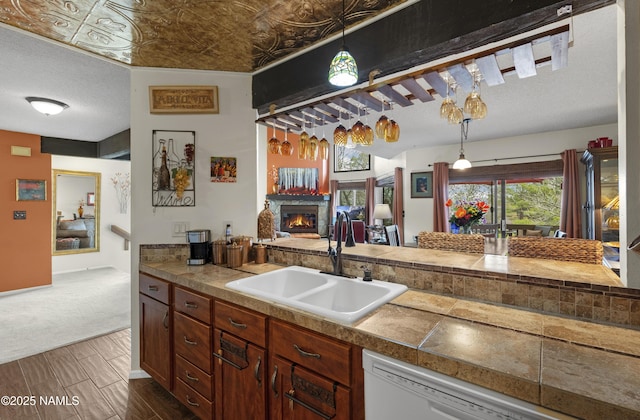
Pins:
x: 76, y: 212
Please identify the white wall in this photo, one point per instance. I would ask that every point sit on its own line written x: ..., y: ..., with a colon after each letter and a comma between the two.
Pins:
x: 112, y: 251
x: 231, y: 133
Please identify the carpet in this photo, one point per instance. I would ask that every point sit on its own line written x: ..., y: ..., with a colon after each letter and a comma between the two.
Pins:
x: 78, y: 305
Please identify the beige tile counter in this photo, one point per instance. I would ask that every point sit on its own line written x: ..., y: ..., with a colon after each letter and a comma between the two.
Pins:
x: 580, y: 368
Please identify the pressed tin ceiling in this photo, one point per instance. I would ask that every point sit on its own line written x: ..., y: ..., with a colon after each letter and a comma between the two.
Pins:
x: 226, y: 35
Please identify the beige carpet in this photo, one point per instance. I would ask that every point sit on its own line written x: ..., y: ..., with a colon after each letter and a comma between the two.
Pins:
x: 79, y: 305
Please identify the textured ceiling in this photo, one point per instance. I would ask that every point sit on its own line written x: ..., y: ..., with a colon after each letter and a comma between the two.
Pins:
x: 190, y: 34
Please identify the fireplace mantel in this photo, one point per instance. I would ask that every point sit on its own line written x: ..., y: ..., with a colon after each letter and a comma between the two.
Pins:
x: 293, y: 197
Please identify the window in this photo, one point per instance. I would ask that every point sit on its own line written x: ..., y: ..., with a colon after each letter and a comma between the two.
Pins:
x: 349, y: 159
x: 352, y: 199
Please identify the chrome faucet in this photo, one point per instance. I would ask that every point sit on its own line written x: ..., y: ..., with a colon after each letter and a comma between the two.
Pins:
x: 335, y: 255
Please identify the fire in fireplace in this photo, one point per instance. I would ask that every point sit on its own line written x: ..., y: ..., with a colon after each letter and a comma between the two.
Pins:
x: 299, y: 219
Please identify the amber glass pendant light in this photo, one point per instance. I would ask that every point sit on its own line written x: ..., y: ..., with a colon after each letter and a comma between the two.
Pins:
x: 274, y: 143
x: 286, y: 148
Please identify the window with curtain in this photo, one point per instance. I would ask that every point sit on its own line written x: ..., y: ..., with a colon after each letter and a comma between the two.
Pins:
x: 352, y: 199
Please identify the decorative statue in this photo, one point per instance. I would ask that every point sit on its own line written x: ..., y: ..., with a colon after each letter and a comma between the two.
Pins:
x: 266, y: 223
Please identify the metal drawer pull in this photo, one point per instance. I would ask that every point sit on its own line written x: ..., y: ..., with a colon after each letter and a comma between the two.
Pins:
x: 165, y: 318
x: 307, y: 406
x: 256, y: 371
x: 273, y: 381
x: 237, y: 324
x: 191, y: 305
x: 191, y: 343
x: 221, y: 359
x: 304, y: 353
x: 195, y: 404
x: 189, y: 377
x: 152, y: 288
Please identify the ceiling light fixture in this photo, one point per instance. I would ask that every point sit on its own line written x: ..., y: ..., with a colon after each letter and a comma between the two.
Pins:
x: 46, y: 106
x: 462, y: 162
x: 343, y: 70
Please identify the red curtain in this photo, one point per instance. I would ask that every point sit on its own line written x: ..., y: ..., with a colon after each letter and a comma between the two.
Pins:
x: 398, y: 206
x: 440, y: 196
x: 370, y: 204
x: 571, y: 210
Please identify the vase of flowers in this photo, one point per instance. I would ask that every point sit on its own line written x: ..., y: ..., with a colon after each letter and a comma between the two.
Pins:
x: 466, y: 214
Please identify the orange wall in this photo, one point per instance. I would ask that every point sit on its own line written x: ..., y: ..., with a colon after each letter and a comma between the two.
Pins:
x: 293, y: 162
x: 25, y: 250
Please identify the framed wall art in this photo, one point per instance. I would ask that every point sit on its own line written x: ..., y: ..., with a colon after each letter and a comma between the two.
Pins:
x: 347, y: 159
x: 224, y: 169
x: 173, y: 182
x: 183, y: 100
x: 91, y: 199
x: 422, y: 185
x: 31, y: 190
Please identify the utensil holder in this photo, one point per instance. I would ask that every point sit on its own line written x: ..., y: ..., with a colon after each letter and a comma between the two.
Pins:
x: 234, y: 255
x: 261, y: 253
x: 219, y: 252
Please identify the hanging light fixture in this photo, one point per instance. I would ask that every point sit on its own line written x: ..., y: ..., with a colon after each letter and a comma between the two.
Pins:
x: 462, y: 162
x: 343, y: 70
x: 46, y: 106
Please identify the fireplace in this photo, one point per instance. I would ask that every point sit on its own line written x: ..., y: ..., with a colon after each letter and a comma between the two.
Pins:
x: 299, y: 218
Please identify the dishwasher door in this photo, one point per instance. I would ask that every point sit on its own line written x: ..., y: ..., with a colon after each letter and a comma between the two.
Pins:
x: 397, y: 390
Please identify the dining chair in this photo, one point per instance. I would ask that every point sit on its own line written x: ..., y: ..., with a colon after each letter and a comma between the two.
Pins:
x: 393, y: 237
x: 487, y: 230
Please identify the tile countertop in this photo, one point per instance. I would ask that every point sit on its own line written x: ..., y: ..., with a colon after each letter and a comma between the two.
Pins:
x: 584, y: 369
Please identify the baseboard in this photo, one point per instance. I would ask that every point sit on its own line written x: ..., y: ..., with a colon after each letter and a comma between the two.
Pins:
x: 138, y: 374
x: 28, y: 289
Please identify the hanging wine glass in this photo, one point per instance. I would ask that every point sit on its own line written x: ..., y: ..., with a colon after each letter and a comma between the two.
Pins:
x: 358, y: 131
x: 303, y: 144
x: 381, y: 125
x: 448, y: 104
x: 312, y: 149
x: 340, y: 136
x: 392, y: 130
x: 323, y: 145
x: 274, y: 143
x: 368, y: 131
x: 286, y: 148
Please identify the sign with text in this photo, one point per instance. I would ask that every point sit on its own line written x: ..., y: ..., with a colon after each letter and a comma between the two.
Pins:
x: 183, y: 99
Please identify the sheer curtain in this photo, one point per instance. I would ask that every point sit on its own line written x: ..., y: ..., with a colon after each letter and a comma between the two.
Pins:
x: 440, y: 195
x: 398, y: 206
x: 333, y: 202
x: 571, y: 210
x: 370, y: 204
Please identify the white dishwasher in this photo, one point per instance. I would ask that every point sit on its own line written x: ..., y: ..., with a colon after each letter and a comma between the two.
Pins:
x: 397, y: 390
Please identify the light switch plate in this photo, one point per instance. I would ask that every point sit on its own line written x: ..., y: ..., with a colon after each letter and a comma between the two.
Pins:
x: 19, y: 214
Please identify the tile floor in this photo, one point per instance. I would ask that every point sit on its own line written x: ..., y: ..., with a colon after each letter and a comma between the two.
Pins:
x: 86, y: 380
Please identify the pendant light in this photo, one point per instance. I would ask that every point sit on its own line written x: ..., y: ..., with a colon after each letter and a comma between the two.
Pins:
x: 462, y: 162
x: 343, y: 70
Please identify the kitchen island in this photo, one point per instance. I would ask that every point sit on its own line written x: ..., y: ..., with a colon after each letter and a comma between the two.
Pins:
x: 584, y: 369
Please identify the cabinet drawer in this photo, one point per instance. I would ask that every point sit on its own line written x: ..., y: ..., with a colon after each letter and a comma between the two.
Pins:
x: 195, y: 377
x: 154, y: 287
x: 241, y: 322
x: 192, y: 304
x: 192, y: 340
x: 198, y: 404
x: 319, y: 353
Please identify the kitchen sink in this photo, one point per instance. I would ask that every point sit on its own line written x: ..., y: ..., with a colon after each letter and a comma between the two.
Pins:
x: 338, y: 298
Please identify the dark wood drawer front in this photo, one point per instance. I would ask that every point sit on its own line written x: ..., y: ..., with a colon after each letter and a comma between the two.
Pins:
x: 154, y: 287
x: 195, y: 402
x: 192, y: 340
x: 195, y: 377
x: 243, y: 323
x: 192, y: 304
x: 329, y: 357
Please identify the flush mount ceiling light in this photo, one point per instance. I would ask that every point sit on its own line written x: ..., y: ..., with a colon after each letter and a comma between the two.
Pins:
x: 462, y: 162
x: 46, y: 106
x: 343, y: 70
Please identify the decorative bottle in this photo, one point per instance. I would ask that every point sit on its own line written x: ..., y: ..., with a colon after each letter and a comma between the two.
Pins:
x: 164, y: 178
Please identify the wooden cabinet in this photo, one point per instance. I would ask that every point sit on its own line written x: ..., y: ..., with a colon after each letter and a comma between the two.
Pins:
x: 313, y: 376
x: 192, y: 347
x: 240, y: 380
x: 155, y: 329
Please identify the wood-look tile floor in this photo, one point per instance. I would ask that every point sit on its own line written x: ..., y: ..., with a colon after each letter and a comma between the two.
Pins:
x: 86, y: 380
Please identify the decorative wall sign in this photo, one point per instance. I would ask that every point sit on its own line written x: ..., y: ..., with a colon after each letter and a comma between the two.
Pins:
x: 183, y: 99
x: 422, y: 185
x: 31, y: 190
x: 173, y: 181
x: 223, y: 169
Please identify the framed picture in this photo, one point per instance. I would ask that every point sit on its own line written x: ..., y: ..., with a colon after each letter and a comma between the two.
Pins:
x: 347, y: 159
x: 173, y: 181
x: 422, y: 185
x: 223, y: 169
x: 183, y: 100
x: 31, y: 190
x: 91, y: 199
